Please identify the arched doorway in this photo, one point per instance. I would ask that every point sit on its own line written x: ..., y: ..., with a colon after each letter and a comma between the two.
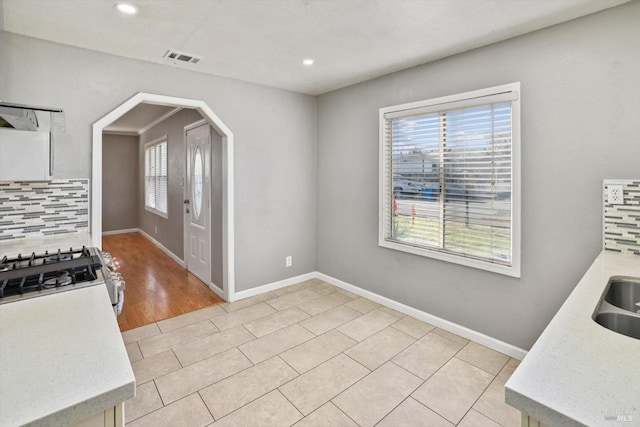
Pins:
x: 228, y: 288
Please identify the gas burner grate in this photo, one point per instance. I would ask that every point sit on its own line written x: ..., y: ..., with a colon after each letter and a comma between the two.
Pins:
x: 21, y: 275
x: 20, y: 262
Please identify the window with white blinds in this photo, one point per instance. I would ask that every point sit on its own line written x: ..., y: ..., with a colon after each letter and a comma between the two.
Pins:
x: 450, y: 178
x: 156, y: 176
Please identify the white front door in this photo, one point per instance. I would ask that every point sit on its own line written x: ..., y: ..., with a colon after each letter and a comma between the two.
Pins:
x: 197, y: 202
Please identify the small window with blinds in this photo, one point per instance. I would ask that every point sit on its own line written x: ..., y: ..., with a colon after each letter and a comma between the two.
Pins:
x: 450, y: 178
x: 156, y: 177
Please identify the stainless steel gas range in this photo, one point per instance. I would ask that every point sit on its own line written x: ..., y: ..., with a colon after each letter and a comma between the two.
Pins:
x: 33, y: 275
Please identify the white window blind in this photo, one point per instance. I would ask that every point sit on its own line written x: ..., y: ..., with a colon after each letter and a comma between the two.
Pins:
x: 447, y: 184
x: 156, y: 176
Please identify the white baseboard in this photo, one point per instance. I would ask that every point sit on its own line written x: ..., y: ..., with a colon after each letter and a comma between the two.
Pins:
x: 216, y: 290
x: 273, y: 286
x: 162, y: 248
x: 126, y: 230
x: 478, y: 337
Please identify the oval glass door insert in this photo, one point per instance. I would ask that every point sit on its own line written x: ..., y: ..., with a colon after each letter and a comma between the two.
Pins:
x: 197, y: 182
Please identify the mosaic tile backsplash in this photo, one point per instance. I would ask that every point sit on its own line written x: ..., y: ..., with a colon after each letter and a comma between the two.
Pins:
x: 37, y: 209
x: 622, y: 222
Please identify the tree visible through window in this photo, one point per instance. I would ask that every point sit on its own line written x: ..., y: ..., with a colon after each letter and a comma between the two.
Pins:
x: 450, y: 181
x: 156, y: 177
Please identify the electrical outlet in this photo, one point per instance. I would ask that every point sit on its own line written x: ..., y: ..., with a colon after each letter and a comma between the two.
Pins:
x: 615, y: 195
x: 288, y: 261
x: 155, y: 229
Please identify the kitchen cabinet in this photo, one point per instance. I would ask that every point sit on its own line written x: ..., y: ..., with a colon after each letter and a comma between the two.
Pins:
x: 112, y: 417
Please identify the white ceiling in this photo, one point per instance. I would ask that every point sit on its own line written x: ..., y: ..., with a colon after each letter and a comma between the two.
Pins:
x: 264, y: 41
x: 140, y: 118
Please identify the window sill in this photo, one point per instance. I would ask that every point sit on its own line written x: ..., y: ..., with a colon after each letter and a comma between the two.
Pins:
x: 157, y: 212
x: 513, y: 271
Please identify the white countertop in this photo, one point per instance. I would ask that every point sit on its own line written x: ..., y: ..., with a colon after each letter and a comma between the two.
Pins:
x: 62, y: 357
x: 38, y: 245
x: 578, y: 372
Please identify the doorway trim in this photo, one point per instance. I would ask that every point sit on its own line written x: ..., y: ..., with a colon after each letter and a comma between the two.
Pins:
x: 228, y: 260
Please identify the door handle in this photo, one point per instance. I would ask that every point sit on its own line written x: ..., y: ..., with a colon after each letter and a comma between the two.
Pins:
x: 186, y: 201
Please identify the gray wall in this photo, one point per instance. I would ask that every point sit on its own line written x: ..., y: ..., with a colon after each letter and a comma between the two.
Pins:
x: 580, y: 124
x: 275, y: 140
x: 170, y: 231
x: 120, y: 173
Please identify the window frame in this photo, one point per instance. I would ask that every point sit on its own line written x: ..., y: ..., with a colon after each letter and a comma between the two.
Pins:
x: 384, y: 176
x: 147, y: 146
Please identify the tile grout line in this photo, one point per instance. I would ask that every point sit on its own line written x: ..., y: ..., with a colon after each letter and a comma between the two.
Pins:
x: 163, y: 406
x: 472, y: 364
x: 215, y: 382
x: 253, y: 400
x: 206, y: 406
x: 352, y: 385
x: 177, y: 358
x: 200, y: 339
x: 210, y: 321
x: 244, y: 308
x: 294, y: 369
x: 479, y: 396
x: 400, y: 403
x: 290, y: 402
x: 255, y: 337
x: 341, y: 411
x: 331, y: 399
x: 139, y: 350
x: 430, y: 408
x: 434, y: 372
x: 370, y: 370
x: 144, y: 415
x: 370, y: 373
x: 159, y: 395
x: 482, y: 394
x: 239, y: 372
x: 299, y: 345
x: 476, y: 401
x: 323, y: 296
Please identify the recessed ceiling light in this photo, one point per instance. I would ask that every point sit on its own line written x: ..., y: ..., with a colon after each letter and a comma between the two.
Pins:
x: 127, y: 8
x: 308, y: 61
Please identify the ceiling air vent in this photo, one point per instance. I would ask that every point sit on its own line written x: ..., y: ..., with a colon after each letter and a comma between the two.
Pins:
x: 175, y: 56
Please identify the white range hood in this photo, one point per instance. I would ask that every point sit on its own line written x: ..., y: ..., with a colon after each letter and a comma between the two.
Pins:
x: 26, y: 141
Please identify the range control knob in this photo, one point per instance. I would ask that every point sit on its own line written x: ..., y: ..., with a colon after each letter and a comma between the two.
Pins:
x: 107, y: 258
x: 118, y: 283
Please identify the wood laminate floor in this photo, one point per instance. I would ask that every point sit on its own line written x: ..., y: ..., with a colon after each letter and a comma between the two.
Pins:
x: 157, y: 287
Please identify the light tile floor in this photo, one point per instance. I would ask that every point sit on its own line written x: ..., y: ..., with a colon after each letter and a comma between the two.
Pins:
x: 312, y: 354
